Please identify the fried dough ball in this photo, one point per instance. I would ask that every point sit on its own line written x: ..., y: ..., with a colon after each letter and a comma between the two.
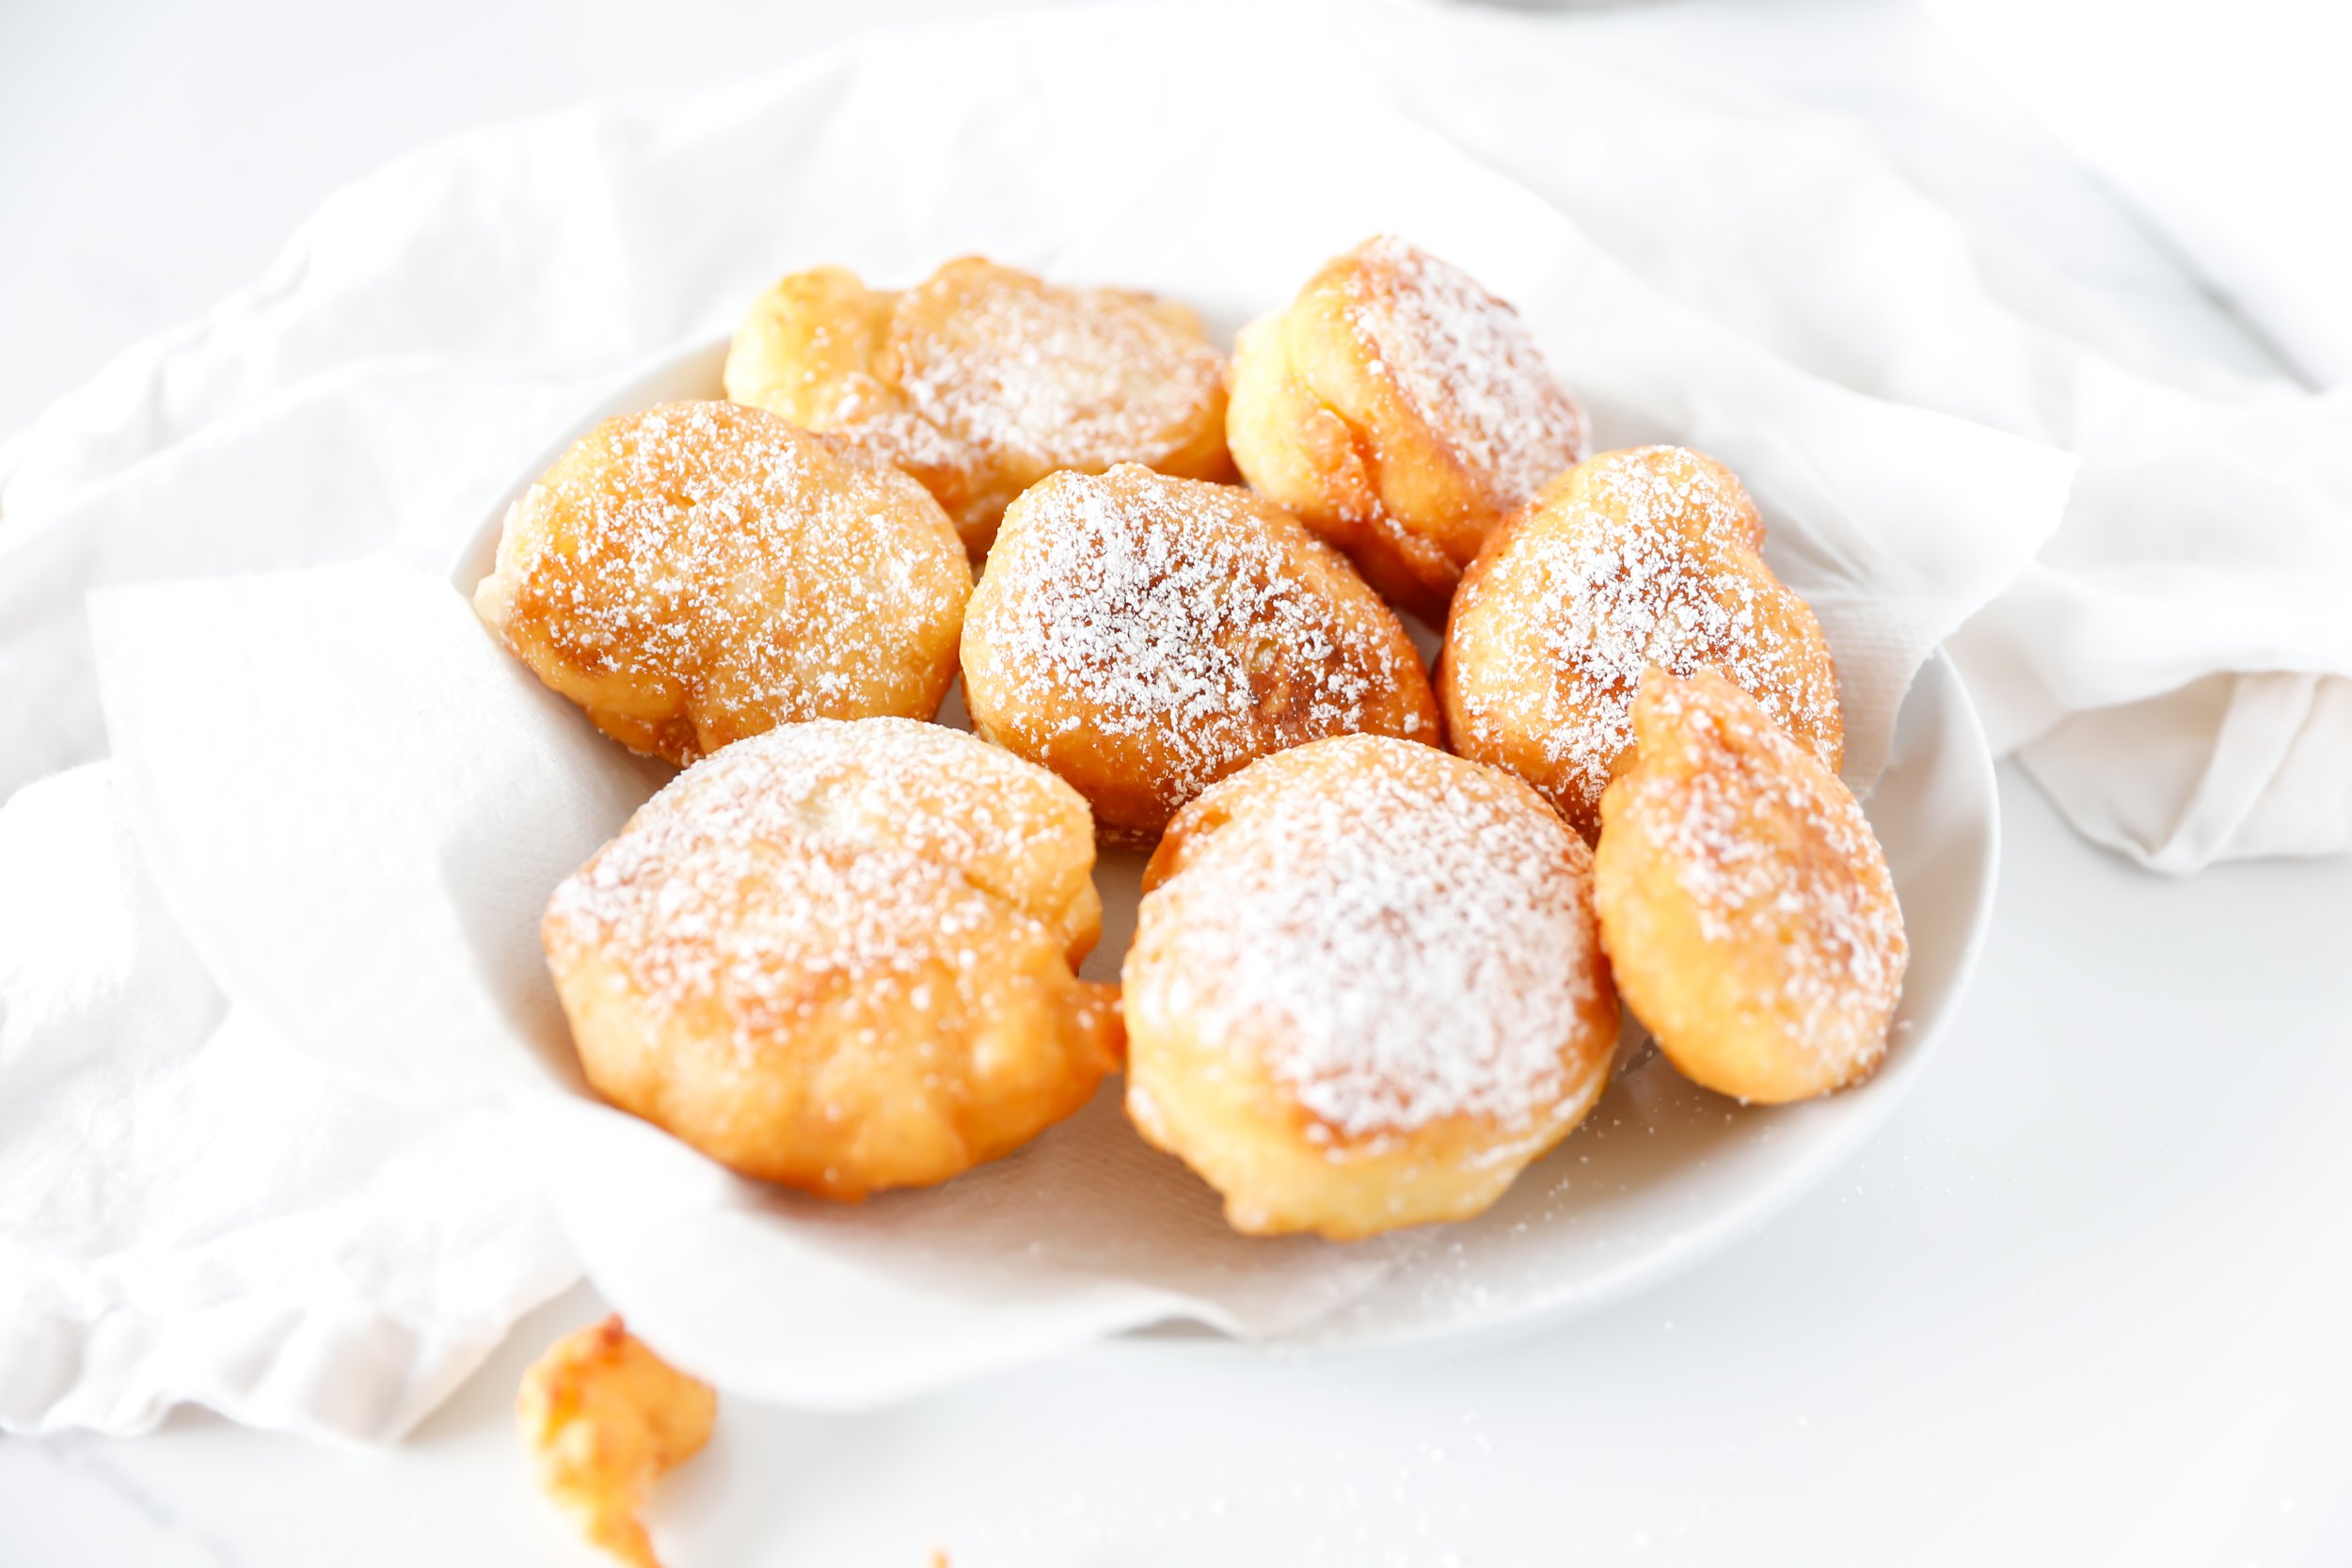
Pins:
x: 1743, y: 900
x: 1366, y: 989
x: 981, y: 380
x: 1402, y: 412
x: 1144, y: 637
x: 839, y: 956
x: 602, y: 1419
x: 701, y: 572
x: 1632, y: 559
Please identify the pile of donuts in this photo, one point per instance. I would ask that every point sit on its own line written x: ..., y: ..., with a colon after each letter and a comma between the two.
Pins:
x: 1388, y: 917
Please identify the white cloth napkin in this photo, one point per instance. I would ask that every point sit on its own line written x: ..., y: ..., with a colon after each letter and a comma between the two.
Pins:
x: 429, y: 329
x: 2175, y: 670
x: 191, y: 1212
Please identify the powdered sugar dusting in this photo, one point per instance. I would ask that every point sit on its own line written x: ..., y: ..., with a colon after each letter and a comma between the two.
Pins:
x: 1175, y: 611
x: 1770, y: 852
x: 1077, y: 378
x: 815, y: 855
x: 881, y: 424
x: 1406, y: 934
x: 1468, y: 366
x: 718, y: 556
x: 1653, y: 567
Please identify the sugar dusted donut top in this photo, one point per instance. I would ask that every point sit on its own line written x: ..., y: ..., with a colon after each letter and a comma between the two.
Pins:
x: 982, y: 379
x: 875, y: 851
x: 1637, y: 558
x: 1065, y: 377
x: 705, y: 570
x: 1640, y: 595
x: 1407, y: 935
x: 1769, y: 849
x: 690, y: 499
x: 1467, y: 365
x: 1189, y: 617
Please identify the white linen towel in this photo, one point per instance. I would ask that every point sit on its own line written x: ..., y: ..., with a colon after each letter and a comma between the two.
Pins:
x: 2176, y: 668
x: 189, y: 1211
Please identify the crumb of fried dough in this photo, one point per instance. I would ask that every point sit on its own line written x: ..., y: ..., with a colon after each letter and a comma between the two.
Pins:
x: 601, y: 1418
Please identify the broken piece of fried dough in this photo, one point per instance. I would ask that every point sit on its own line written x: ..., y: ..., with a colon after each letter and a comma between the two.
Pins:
x: 602, y: 1417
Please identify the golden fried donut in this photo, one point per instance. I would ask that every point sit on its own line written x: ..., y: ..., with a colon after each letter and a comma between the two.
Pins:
x: 1743, y: 900
x: 602, y: 1419
x: 1633, y: 558
x: 1365, y: 988
x: 701, y: 572
x: 1143, y: 636
x: 1402, y: 412
x: 981, y: 380
x: 839, y: 956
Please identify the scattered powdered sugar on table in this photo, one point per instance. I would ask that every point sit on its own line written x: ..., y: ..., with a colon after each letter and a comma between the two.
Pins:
x: 1409, y: 936
x: 1654, y: 566
x: 1468, y: 366
x: 1171, y: 612
x: 777, y: 869
x: 1772, y: 851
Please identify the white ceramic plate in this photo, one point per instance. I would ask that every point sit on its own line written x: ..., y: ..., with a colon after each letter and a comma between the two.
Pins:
x: 1662, y: 1174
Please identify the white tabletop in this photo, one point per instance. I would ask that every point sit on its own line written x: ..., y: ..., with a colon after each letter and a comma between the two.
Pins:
x: 2084, y: 1300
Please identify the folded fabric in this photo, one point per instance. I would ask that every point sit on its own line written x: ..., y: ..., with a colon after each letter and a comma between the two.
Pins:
x: 2174, y: 669
x: 190, y: 1212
